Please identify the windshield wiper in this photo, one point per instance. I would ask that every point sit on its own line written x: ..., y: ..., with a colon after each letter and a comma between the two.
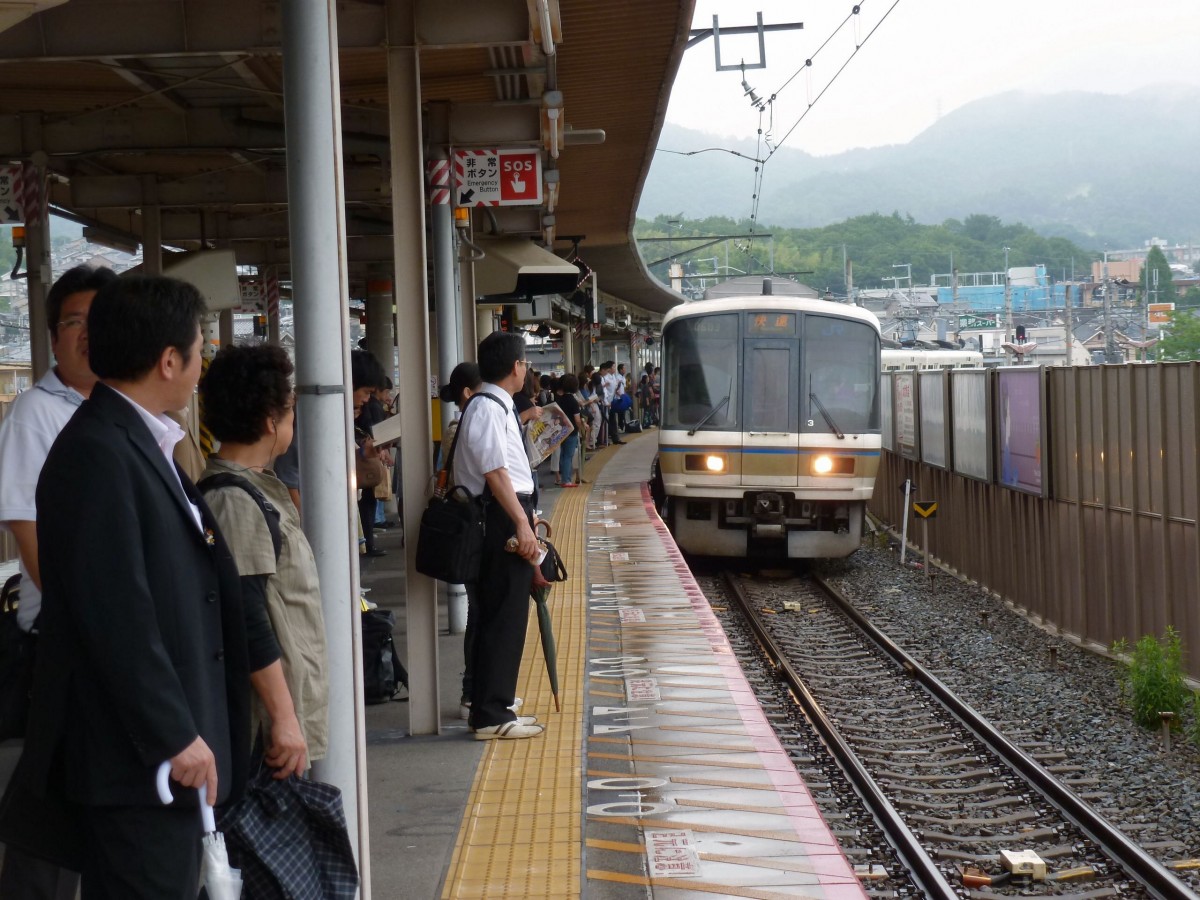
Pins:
x: 712, y: 412
x: 828, y: 418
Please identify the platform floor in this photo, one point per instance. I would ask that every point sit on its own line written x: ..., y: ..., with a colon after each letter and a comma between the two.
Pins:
x: 661, y: 776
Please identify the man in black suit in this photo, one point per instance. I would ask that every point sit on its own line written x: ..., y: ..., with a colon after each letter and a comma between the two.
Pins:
x: 146, y: 651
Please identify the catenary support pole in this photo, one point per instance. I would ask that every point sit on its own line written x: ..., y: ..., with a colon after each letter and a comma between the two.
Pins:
x: 412, y: 311
x: 152, y: 255
x: 316, y: 218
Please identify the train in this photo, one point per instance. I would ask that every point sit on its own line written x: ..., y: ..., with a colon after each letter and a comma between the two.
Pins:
x: 920, y: 357
x: 769, y: 435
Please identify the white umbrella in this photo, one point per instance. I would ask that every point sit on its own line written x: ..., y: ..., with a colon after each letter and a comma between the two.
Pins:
x: 222, y: 881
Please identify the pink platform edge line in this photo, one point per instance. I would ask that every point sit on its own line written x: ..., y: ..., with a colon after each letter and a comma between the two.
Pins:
x: 774, y: 758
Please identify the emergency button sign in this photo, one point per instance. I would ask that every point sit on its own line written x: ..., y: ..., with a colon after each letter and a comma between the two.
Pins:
x: 497, y: 177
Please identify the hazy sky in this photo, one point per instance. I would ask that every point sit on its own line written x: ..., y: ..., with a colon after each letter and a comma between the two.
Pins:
x: 927, y: 58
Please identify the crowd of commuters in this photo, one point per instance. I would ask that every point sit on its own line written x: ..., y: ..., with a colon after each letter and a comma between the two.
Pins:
x: 175, y: 600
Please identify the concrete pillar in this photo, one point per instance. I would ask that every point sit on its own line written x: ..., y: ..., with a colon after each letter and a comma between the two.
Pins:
x: 316, y: 218
x: 226, y: 327
x: 381, y: 325
x: 152, y: 255
x: 485, y: 322
x: 37, y: 256
x: 408, y: 218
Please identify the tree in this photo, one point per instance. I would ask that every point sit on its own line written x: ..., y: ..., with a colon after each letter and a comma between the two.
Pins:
x: 1183, y: 337
x: 1164, y: 290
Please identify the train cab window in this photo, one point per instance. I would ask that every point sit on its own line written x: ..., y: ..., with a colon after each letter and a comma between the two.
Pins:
x: 700, y: 372
x: 840, y: 376
x: 769, y: 378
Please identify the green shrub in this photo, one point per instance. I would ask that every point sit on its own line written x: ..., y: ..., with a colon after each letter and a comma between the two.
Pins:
x: 1154, y: 679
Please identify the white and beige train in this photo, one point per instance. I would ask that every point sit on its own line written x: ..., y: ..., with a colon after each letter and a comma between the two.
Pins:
x: 769, y: 439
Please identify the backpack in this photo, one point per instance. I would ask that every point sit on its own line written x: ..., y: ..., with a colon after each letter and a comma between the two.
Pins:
x: 383, y: 673
x: 270, y: 513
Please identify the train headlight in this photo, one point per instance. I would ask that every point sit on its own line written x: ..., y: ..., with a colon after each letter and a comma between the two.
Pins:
x: 714, y: 463
x: 822, y: 465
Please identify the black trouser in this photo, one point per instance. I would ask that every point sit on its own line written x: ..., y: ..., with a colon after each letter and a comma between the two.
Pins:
x: 366, y: 513
x: 502, y: 602
x: 26, y: 877
x: 141, y: 853
x: 613, y: 419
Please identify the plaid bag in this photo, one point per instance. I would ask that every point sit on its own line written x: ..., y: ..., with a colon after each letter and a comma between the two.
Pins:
x: 289, y: 838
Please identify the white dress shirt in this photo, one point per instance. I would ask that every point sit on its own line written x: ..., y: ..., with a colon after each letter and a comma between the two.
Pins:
x: 489, y: 438
x: 166, y: 434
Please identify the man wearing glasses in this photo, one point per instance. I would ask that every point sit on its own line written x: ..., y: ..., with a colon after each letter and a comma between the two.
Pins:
x: 490, y: 456
x: 33, y: 423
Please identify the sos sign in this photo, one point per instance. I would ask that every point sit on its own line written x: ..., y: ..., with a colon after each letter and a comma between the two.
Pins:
x: 498, y: 177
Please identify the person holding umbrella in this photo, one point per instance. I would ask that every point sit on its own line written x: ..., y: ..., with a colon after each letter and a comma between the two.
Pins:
x: 491, y: 455
x: 146, y: 649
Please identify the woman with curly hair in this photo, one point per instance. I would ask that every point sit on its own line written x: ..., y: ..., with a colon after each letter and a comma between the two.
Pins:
x: 248, y: 405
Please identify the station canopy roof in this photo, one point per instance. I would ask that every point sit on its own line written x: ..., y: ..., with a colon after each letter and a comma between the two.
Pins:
x: 179, y: 103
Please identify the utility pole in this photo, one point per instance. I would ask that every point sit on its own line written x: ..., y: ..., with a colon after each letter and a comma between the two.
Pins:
x: 1008, y: 315
x: 1070, y: 325
x: 1109, y: 350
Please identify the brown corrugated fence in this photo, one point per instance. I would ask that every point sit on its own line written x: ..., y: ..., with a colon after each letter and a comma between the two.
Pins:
x: 1111, y: 550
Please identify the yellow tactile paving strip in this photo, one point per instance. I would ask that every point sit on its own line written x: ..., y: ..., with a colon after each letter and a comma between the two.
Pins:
x: 688, y: 765
x: 520, y: 836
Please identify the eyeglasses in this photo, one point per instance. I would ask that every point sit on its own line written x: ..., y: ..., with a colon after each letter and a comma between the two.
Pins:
x: 524, y: 362
x: 73, y: 322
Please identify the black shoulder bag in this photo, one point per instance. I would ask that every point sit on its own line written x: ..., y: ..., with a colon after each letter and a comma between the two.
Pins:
x: 450, y: 542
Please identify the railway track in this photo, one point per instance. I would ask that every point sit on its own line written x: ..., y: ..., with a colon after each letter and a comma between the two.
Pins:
x: 965, y: 808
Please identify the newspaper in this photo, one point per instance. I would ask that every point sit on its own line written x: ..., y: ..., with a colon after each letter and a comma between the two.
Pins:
x: 545, y: 433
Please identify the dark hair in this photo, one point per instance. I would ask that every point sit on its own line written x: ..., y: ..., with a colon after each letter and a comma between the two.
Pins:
x: 498, y: 353
x: 242, y: 388
x: 568, y: 384
x: 465, y: 375
x: 531, y: 384
x: 597, y: 382
x: 365, y: 371
x: 545, y: 381
x: 73, y: 281
x: 135, y: 319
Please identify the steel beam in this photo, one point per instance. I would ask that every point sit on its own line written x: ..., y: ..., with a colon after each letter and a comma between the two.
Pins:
x: 364, y: 184
x: 194, y: 131
x: 86, y: 29
x: 474, y: 23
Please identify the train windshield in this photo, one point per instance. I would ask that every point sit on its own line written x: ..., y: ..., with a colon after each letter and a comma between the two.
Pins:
x: 700, y: 373
x: 840, y: 376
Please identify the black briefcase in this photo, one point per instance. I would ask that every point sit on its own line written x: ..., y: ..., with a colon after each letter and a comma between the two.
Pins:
x: 450, y: 543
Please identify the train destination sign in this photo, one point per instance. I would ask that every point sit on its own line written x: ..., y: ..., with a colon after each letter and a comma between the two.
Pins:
x: 497, y: 177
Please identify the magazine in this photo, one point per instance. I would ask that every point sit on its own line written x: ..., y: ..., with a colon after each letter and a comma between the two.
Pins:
x: 545, y: 433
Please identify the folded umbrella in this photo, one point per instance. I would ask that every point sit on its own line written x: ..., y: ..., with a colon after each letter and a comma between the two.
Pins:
x: 217, y: 876
x: 540, y: 591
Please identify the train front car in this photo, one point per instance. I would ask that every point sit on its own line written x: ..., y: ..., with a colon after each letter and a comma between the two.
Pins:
x: 769, y: 441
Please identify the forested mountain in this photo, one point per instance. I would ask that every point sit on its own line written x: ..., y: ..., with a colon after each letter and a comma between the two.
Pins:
x: 1097, y: 168
x: 875, y: 244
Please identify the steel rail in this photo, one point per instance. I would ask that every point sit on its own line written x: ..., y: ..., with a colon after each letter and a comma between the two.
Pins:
x: 921, y: 868
x: 1139, y: 864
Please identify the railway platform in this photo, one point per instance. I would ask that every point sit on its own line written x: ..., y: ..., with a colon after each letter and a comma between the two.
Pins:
x: 659, y: 777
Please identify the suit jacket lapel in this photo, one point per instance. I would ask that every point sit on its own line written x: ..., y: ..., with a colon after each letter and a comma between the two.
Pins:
x: 128, y: 419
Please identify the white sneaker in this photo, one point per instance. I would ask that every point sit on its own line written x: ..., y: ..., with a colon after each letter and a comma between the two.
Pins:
x: 508, y: 731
